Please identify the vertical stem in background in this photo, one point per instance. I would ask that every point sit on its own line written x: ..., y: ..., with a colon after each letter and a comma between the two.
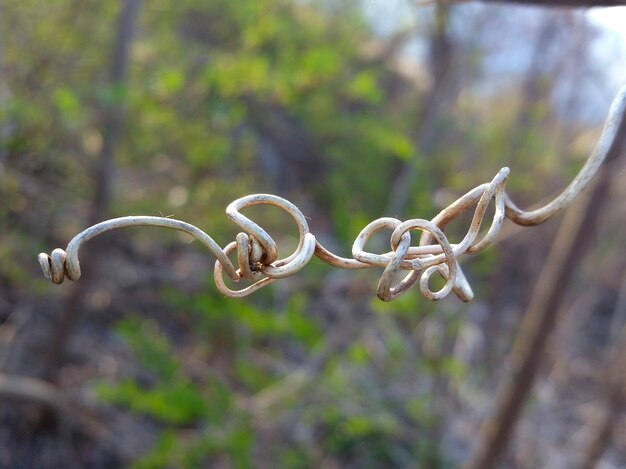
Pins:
x: 4, y: 98
x: 570, y: 245
x: 441, y: 57
x: 614, y: 394
x: 534, y: 86
x: 113, y: 111
x: 601, y: 437
x: 113, y: 120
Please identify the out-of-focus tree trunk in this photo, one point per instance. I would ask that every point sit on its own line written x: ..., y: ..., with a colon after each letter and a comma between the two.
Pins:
x: 290, y: 155
x: 576, y: 66
x: 570, y: 245
x: 4, y: 97
x: 535, y: 87
x: 112, y: 124
x: 113, y: 111
x: 614, y: 396
x: 600, y: 437
x: 441, y: 59
x: 574, y: 314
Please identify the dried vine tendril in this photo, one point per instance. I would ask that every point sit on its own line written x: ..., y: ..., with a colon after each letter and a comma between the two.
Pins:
x: 257, y: 252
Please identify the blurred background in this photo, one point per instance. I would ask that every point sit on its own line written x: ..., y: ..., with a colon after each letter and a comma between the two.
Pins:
x: 352, y: 110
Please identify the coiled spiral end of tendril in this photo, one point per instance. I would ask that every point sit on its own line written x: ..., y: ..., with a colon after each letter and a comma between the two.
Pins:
x: 56, y: 267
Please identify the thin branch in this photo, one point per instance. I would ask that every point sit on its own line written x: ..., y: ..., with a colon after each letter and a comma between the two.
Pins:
x: 562, y: 3
x: 614, y: 395
x: 538, y: 3
x: 26, y: 389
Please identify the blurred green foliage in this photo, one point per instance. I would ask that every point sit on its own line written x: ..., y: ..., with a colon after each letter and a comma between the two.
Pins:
x: 343, y: 407
x: 226, y: 98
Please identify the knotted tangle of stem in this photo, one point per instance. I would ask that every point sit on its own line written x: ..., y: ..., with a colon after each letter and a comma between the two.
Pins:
x: 257, y: 252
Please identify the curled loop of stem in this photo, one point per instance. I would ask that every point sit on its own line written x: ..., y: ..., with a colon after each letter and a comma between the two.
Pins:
x: 257, y: 252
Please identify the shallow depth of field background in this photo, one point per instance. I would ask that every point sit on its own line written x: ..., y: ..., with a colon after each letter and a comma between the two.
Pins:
x: 352, y: 110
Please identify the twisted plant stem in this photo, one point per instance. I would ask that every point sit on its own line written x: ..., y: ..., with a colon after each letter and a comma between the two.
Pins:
x: 257, y: 252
